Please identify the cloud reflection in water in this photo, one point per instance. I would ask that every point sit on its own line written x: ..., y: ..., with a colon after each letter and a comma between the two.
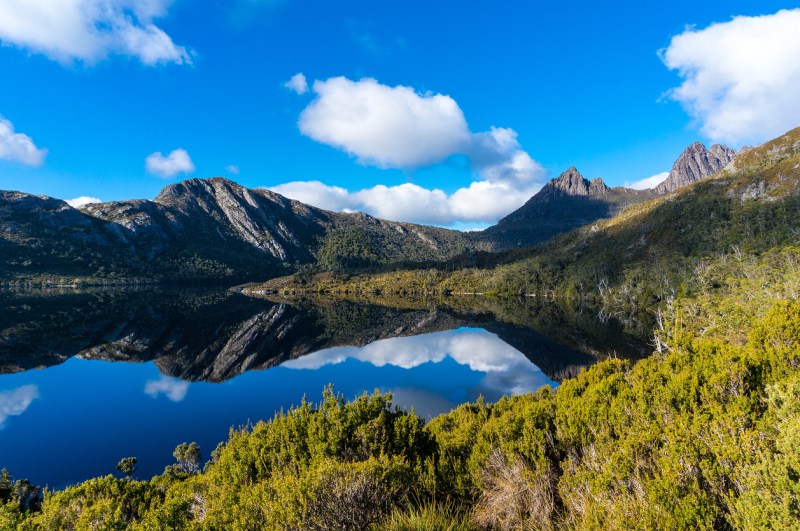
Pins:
x: 506, y: 370
x: 173, y: 389
x: 16, y: 401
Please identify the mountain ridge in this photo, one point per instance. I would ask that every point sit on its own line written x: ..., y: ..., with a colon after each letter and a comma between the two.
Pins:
x: 215, y: 229
x: 570, y: 200
x: 564, y: 203
x: 200, y: 229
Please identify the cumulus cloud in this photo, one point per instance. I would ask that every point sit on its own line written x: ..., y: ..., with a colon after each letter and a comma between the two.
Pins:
x: 498, y: 157
x: 649, y: 182
x: 16, y: 401
x: 297, y: 83
x: 318, y: 194
x: 178, y: 161
x: 82, y: 200
x: 398, y: 127
x: 482, y: 202
x: 90, y: 30
x: 18, y: 147
x: 389, y: 127
x: 741, y: 78
x: 175, y: 390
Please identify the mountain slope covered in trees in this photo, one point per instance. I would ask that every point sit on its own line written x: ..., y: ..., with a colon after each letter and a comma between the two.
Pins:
x: 703, y: 234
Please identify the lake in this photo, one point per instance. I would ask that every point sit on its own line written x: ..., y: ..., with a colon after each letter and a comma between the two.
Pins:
x: 87, y: 378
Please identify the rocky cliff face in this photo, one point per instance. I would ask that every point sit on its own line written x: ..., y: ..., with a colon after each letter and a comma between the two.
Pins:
x: 695, y: 164
x: 199, y: 229
x: 564, y: 203
x: 572, y: 184
x: 214, y: 212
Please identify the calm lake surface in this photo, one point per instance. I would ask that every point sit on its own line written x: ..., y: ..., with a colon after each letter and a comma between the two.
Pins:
x: 88, y: 378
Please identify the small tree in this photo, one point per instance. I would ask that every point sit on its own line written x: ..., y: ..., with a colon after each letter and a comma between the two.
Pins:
x: 127, y: 465
x: 188, y: 457
x: 6, y: 486
x: 26, y: 496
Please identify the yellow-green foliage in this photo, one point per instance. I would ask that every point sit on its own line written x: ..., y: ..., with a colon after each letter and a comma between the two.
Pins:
x: 702, y: 436
x: 429, y: 516
x: 101, y: 503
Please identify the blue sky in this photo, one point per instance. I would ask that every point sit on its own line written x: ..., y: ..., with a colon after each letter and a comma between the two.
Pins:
x: 578, y: 83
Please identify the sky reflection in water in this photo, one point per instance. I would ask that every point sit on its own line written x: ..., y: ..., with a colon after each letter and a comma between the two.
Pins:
x: 76, y: 420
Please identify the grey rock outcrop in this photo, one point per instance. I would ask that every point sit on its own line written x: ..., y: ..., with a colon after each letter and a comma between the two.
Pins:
x: 695, y: 164
x: 572, y: 183
x: 199, y: 229
x: 564, y: 203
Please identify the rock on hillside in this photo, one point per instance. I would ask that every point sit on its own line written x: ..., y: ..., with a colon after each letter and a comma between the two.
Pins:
x: 565, y: 203
x: 694, y: 164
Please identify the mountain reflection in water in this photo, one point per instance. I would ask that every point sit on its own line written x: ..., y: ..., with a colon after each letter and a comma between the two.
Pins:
x: 196, y: 365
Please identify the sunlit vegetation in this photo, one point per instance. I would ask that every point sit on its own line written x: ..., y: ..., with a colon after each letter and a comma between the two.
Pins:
x: 702, y: 435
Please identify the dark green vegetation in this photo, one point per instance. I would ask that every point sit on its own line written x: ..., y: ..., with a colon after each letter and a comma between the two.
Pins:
x: 704, y: 435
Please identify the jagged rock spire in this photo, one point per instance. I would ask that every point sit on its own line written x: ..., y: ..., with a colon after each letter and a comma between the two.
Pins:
x: 694, y: 164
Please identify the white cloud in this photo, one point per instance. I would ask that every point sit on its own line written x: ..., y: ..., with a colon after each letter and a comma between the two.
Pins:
x: 90, y: 30
x: 389, y: 127
x: 175, y: 390
x: 232, y: 169
x: 649, y: 182
x: 498, y: 157
x: 318, y: 194
x: 16, y: 401
x: 18, y: 147
x: 82, y: 200
x: 397, y: 127
x: 741, y: 79
x: 297, y: 83
x: 178, y: 161
x: 482, y: 202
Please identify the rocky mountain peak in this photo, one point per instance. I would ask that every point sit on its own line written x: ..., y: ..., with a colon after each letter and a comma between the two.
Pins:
x: 694, y: 164
x: 198, y: 188
x: 572, y: 183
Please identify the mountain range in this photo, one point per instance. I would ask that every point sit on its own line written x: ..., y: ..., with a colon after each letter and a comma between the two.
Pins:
x: 216, y: 230
x: 571, y: 201
x: 735, y: 229
x: 199, y: 229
